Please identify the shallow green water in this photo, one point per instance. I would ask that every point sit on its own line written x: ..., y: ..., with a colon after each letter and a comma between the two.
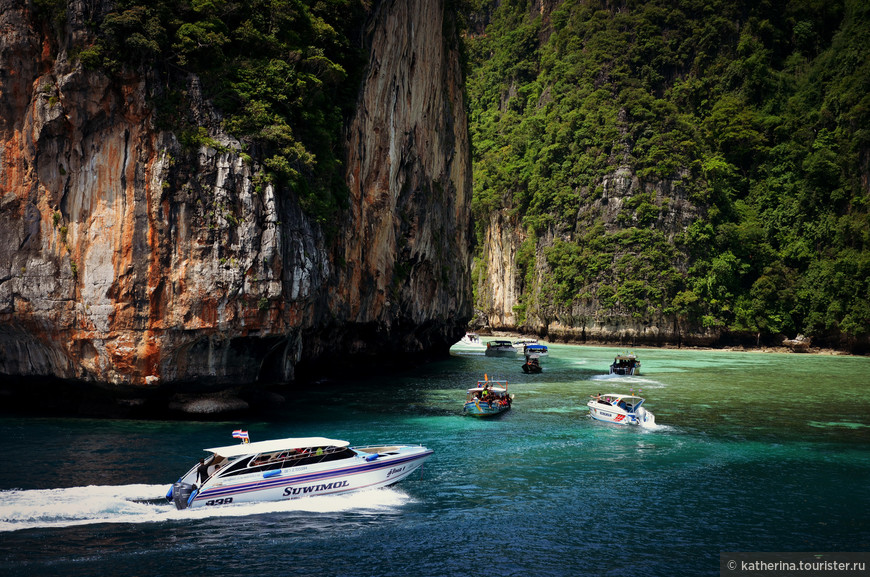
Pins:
x: 752, y: 452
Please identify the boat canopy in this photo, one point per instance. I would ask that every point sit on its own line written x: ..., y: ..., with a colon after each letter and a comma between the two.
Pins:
x: 614, y: 398
x: 492, y: 389
x: 275, y: 445
x: 619, y: 396
x: 495, y: 386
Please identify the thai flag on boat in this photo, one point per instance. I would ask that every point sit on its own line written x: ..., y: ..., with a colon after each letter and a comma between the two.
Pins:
x: 240, y: 434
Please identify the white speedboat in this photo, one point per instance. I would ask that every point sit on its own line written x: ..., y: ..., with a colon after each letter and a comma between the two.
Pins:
x: 470, y: 341
x: 620, y: 409
x: 626, y: 364
x: 500, y: 348
x: 535, y: 349
x: 292, y: 468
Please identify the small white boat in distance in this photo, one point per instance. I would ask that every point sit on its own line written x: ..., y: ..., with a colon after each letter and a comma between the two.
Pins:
x: 500, y: 348
x: 292, y: 468
x: 626, y: 364
x: 470, y: 341
x: 535, y: 349
x: 620, y: 409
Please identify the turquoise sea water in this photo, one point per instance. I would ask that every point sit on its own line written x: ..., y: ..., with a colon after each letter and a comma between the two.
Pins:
x: 752, y: 452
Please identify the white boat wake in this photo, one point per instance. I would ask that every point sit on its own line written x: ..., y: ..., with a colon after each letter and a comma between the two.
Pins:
x: 629, y: 380
x: 651, y: 425
x: 646, y: 419
x: 74, y: 506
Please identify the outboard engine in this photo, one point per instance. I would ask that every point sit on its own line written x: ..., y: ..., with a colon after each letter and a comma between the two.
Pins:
x: 181, y: 493
x: 645, y: 418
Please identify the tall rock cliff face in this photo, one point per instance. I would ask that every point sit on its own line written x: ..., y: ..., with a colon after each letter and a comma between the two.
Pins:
x: 126, y: 260
x: 639, y: 178
x: 407, y: 241
x: 513, y: 301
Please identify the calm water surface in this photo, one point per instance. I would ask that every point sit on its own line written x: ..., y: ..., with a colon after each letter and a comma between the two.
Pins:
x: 753, y: 452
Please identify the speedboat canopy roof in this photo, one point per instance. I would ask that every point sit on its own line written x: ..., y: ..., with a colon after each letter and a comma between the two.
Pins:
x: 276, y: 445
x: 619, y: 397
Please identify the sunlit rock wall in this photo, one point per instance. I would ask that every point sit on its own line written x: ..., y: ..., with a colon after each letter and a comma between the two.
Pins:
x: 126, y: 260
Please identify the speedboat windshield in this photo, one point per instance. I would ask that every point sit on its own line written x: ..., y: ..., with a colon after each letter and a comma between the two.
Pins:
x: 630, y: 402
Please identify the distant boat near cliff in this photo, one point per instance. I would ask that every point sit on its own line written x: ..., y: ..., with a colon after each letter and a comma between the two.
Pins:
x: 500, y: 348
x: 536, y: 349
x: 471, y: 341
x: 532, y: 365
x: 625, y: 364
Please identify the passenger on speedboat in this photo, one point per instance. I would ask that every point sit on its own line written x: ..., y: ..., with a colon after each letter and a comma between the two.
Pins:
x: 202, y: 471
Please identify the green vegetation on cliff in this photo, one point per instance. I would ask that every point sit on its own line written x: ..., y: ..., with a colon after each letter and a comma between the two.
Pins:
x: 754, y: 115
x: 283, y: 74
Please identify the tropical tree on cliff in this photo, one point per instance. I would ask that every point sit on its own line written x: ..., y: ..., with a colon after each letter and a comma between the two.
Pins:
x: 742, y: 128
x: 283, y: 75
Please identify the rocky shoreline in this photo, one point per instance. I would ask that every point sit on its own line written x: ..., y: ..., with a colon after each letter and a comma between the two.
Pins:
x: 798, y: 345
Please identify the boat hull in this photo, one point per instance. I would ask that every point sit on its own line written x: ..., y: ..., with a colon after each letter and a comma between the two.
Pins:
x: 501, y: 348
x: 618, y: 416
x: 470, y: 345
x: 484, y: 409
x: 539, y: 351
x: 358, y: 474
x: 628, y: 371
x: 494, y: 352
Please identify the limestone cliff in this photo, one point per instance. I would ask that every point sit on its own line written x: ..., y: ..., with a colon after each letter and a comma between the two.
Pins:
x: 126, y: 260
x: 504, y: 292
x: 640, y: 177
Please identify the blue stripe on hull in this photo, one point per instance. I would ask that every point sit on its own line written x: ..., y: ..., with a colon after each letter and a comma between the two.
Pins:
x: 276, y: 482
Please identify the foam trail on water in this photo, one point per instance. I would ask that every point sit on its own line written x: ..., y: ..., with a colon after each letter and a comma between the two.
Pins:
x: 651, y: 425
x: 55, y: 508
x: 634, y: 380
x: 648, y: 420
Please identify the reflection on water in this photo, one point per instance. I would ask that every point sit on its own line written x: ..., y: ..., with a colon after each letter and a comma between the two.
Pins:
x: 759, y: 452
